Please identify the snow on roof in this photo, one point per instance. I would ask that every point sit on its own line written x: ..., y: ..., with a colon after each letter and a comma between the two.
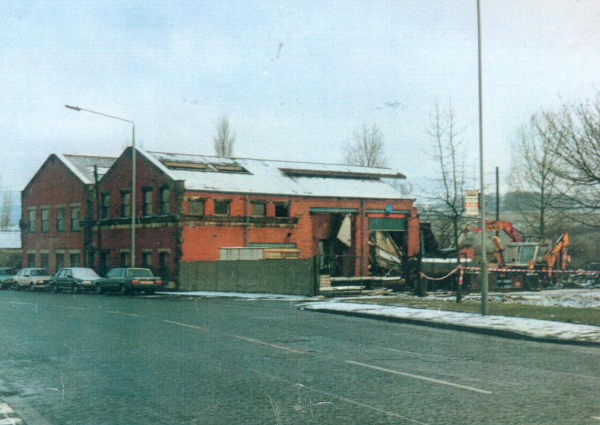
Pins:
x: 10, y: 240
x: 259, y: 176
x: 83, y: 166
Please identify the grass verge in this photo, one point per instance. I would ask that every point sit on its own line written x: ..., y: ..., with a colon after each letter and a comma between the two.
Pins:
x: 587, y: 316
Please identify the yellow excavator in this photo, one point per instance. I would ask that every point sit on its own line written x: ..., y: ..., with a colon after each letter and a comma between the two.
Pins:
x: 533, y: 261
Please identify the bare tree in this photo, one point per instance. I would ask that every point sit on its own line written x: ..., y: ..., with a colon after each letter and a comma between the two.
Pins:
x: 366, y: 148
x: 225, y: 139
x: 574, y: 134
x: 448, y: 208
x: 535, y: 175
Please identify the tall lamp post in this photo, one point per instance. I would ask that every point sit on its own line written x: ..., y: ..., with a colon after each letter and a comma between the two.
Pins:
x: 77, y: 108
x: 484, y: 276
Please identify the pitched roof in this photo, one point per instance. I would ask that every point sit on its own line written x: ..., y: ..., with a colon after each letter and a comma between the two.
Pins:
x: 269, y: 177
x: 83, y: 166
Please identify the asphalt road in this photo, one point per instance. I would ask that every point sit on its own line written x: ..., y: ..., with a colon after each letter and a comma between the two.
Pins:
x: 87, y: 359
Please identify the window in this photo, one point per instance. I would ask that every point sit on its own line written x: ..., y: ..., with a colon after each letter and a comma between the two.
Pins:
x: 45, y: 219
x: 60, y: 219
x: 147, y: 259
x: 60, y: 261
x: 165, y: 206
x: 31, y: 219
x: 221, y: 207
x: 196, y: 207
x: 147, y: 206
x: 125, y: 204
x: 105, y: 206
x: 164, y: 270
x: 259, y: 209
x: 31, y: 260
x: 124, y: 259
x: 75, y: 216
x: 282, y: 210
x: 44, y: 260
x: 74, y: 260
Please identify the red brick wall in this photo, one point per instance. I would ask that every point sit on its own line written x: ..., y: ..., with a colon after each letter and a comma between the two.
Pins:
x: 202, y: 243
x: 149, y: 236
x: 53, y: 185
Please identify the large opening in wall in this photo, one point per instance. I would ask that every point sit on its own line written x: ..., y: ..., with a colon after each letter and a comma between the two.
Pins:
x: 387, y: 245
x: 335, y: 245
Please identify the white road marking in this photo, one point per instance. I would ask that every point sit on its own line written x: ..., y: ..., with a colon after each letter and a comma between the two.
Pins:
x: 344, y: 399
x: 268, y: 344
x: 186, y: 325
x: 10, y: 421
x: 18, y: 302
x: 596, y: 417
x: 423, y: 378
x: 70, y: 308
x: 10, y: 309
x: 123, y: 314
x: 5, y: 409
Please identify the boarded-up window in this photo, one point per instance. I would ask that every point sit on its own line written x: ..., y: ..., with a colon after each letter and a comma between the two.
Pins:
x: 259, y: 209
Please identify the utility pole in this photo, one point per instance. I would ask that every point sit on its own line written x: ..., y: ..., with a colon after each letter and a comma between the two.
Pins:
x: 484, y: 276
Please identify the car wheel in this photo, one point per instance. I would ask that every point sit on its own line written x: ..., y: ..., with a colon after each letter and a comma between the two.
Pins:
x: 123, y: 290
x: 55, y: 289
x: 16, y: 286
x: 75, y: 289
x: 98, y: 289
x: 32, y: 287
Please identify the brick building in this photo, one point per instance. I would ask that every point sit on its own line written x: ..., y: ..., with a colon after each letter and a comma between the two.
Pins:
x: 190, y: 206
x: 57, y: 204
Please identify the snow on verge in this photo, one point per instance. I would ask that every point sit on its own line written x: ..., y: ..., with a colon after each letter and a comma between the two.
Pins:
x: 529, y: 327
x: 252, y: 296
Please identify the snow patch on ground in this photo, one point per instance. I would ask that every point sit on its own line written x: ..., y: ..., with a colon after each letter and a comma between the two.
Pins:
x: 529, y: 327
x: 576, y: 298
x: 238, y: 295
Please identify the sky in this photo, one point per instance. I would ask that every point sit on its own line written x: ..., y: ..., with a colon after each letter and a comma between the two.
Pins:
x: 294, y: 78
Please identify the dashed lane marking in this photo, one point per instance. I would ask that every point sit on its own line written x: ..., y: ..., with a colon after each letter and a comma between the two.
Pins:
x: 596, y: 417
x: 10, y: 309
x: 344, y: 399
x: 123, y: 314
x: 186, y: 325
x: 268, y: 344
x: 70, y: 308
x: 18, y: 302
x: 423, y: 378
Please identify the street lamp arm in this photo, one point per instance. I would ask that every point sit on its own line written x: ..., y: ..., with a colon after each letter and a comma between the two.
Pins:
x: 77, y: 108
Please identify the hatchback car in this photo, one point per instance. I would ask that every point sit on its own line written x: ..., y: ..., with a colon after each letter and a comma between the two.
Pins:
x: 129, y: 281
x: 75, y: 278
x: 32, y: 278
x: 6, y: 277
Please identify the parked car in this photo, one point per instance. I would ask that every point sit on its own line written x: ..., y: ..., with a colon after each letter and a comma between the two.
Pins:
x: 32, y: 278
x: 74, y: 278
x: 6, y: 277
x: 129, y: 281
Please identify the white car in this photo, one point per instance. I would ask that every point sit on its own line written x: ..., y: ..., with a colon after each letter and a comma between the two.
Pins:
x: 32, y: 278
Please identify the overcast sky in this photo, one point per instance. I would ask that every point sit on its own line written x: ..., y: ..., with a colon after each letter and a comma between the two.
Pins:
x: 295, y: 78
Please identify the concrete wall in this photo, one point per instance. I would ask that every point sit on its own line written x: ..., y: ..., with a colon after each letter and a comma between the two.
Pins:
x: 291, y: 277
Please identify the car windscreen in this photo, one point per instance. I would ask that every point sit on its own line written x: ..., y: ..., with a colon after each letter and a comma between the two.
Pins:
x: 84, y: 273
x: 139, y: 273
x: 42, y: 272
x: 5, y: 272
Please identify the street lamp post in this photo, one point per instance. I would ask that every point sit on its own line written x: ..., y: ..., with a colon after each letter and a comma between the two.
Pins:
x: 77, y: 108
x: 484, y: 276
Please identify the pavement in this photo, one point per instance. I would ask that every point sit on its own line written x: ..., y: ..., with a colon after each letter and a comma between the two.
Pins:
x: 503, y: 326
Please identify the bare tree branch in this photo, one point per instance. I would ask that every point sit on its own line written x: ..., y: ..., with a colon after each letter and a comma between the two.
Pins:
x: 366, y: 148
